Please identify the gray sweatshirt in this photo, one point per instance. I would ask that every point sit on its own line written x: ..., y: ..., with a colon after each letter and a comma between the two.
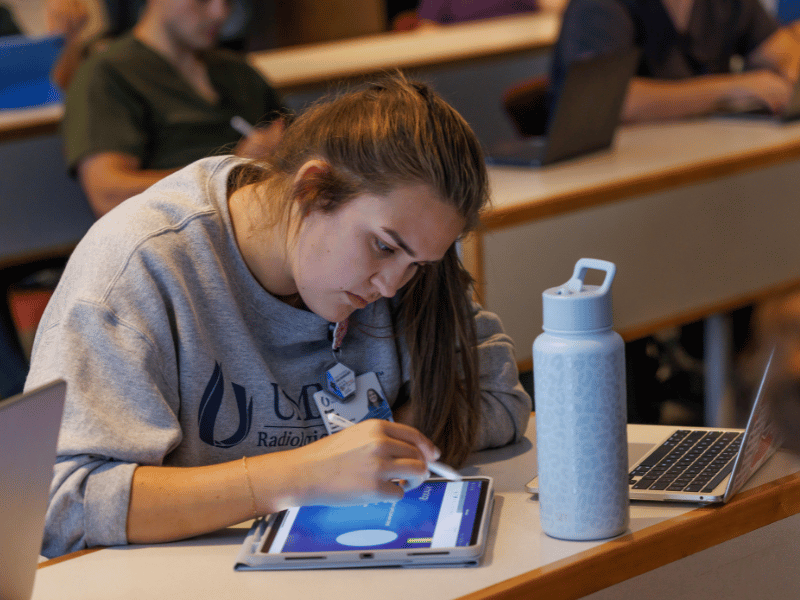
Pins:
x: 175, y: 355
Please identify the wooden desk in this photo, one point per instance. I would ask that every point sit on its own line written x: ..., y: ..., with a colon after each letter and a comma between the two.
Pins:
x: 28, y: 122
x: 679, y: 545
x: 299, y: 67
x: 698, y: 216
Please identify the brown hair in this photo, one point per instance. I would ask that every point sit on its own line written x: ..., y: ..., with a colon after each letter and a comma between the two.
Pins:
x: 390, y: 134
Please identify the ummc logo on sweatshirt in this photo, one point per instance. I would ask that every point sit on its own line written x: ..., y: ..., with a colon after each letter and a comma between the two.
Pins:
x: 209, y: 409
x: 289, y: 426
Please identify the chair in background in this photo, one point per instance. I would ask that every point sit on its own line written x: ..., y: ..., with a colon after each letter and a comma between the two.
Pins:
x: 25, y: 290
x: 13, y: 365
x: 44, y: 214
x: 526, y: 103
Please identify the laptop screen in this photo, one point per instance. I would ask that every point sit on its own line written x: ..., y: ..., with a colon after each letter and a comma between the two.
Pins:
x: 29, y: 425
x: 25, y: 65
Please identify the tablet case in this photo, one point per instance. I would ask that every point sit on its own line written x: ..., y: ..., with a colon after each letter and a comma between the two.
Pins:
x: 251, y: 557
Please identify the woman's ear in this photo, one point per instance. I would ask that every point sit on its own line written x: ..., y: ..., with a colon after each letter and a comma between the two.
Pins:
x: 306, y: 184
x: 310, y: 169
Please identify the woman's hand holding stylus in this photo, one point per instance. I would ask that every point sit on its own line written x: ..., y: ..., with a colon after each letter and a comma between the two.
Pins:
x: 359, y: 465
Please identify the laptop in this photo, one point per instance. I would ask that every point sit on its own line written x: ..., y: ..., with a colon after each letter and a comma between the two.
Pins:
x: 29, y: 425
x: 703, y: 465
x: 25, y: 65
x: 586, y: 114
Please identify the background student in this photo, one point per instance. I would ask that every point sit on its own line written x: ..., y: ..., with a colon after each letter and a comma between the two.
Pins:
x: 457, y: 11
x: 193, y: 326
x: 69, y: 18
x: 160, y: 98
x: 689, y: 51
x: 688, y: 47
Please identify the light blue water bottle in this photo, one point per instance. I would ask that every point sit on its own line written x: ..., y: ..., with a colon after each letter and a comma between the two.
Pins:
x: 581, y: 416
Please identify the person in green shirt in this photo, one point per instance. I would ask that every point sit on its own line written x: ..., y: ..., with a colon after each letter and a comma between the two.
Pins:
x: 160, y: 98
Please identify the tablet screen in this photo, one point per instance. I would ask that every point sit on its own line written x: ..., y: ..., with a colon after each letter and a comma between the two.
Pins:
x: 437, y: 514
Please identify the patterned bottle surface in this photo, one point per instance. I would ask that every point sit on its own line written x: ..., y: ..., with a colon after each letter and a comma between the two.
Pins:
x: 581, y: 434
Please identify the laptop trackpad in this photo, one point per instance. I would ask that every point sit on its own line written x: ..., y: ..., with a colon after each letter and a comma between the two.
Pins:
x: 636, y: 451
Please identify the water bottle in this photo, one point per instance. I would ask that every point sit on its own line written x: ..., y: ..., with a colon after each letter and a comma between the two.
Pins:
x: 581, y: 416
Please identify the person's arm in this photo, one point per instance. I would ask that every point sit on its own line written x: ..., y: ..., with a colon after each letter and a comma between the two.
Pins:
x: 354, y: 466
x: 121, y: 420
x: 656, y: 99
x: 506, y: 405
x: 779, y: 52
x: 68, y: 18
x: 110, y: 178
x: 68, y: 61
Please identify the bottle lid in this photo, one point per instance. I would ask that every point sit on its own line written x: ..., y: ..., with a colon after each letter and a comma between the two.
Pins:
x: 574, y: 306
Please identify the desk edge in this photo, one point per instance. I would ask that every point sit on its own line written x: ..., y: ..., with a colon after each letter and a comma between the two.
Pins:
x: 652, y: 547
x: 524, y: 212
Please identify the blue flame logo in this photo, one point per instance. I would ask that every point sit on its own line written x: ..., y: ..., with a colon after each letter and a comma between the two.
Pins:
x: 210, y: 406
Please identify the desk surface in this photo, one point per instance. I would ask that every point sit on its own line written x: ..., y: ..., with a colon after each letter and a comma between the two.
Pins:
x: 680, y: 208
x: 300, y: 67
x: 521, y: 562
x: 645, y: 159
x: 27, y: 122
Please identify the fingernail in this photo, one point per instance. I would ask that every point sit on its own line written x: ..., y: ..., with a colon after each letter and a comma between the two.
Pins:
x: 436, y: 453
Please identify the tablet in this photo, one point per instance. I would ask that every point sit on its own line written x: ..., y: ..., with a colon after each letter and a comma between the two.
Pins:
x: 441, y: 523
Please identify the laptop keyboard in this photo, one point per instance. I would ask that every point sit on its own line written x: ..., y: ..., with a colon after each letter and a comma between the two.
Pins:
x: 689, y: 461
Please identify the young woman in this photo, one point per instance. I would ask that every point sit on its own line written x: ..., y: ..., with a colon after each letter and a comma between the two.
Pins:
x: 193, y: 325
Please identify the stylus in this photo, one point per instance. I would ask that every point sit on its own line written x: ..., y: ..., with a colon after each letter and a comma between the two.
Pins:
x: 434, y: 466
x: 242, y: 126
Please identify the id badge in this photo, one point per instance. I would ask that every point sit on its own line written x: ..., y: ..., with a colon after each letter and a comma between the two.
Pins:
x: 341, y: 381
x: 368, y: 402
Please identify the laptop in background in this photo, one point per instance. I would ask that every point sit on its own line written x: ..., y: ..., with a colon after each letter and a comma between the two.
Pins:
x: 586, y: 114
x: 699, y: 464
x: 25, y: 65
x: 29, y: 425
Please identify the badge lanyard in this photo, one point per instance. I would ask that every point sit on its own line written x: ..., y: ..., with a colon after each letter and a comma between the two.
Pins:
x: 353, y: 398
x: 341, y: 379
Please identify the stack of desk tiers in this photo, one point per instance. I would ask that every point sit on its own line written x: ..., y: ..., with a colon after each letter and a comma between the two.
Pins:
x: 746, y: 549
x: 699, y: 217
x: 311, y: 66
x: 300, y: 67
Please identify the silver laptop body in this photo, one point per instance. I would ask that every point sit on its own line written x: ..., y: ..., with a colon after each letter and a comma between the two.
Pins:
x: 676, y: 458
x: 29, y: 425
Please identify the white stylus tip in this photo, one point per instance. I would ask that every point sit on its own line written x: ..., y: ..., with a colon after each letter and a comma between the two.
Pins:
x: 443, y: 470
x: 242, y: 126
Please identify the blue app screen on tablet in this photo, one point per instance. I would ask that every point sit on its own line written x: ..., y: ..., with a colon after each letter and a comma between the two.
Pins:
x: 437, y: 514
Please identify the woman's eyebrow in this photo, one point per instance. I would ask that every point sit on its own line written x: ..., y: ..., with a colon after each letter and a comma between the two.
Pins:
x: 402, y: 244
x: 399, y: 241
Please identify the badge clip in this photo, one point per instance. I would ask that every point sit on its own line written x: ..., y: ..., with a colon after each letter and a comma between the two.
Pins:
x: 341, y: 381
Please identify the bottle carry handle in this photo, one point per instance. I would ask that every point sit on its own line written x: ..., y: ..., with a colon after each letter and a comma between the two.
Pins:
x: 575, y: 284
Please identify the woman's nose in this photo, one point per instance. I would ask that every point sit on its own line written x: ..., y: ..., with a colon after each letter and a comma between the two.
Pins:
x: 388, y: 280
